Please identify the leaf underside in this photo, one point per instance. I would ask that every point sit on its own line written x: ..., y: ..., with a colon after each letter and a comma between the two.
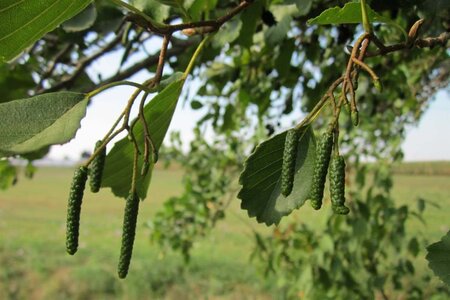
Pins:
x: 260, y: 180
x: 81, y: 21
x: 32, y: 123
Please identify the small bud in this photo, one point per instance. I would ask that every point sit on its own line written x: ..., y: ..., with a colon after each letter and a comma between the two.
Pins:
x: 378, y: 85
x: 347, y: 107
x: 189, y: 31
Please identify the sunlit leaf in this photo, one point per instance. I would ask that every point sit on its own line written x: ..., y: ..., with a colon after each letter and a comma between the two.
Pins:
x: 22, y: 22
x: 349, y: 14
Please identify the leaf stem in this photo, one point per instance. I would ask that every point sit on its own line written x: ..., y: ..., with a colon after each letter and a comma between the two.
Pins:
x: 316, y: 110
x: 195, y: 55
x: 113, y: 84
x: 366, y: 68
x: 135, y: 170
x: 365, y: 17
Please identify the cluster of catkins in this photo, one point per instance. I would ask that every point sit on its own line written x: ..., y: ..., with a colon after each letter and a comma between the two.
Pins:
x: 322, y: 162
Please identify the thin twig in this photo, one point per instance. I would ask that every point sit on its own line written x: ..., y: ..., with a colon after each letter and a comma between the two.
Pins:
x: 161, y: 60
x: 366, y: 68
x: 429, y: 42
x: 207, y: 26
x: 53, y: 63
x: 82, y: 65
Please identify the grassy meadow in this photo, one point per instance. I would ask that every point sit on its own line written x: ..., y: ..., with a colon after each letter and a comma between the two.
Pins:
x: 34, y: 264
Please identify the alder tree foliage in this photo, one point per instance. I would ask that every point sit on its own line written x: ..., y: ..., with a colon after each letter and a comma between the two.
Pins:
x: 295, y: 93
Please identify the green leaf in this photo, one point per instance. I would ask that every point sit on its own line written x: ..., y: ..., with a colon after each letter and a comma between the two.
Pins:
x: 178, y: 5
x: 195, y: 104
x: 284, y: 14
x: 30, y: 124
x: 15, y: 81
x: 82, y: 21
x: 8, y: 174
x: 119, y: 162
x: 260, y: 180
x: 155, y: 10
x: 198, y: 7
x: 439, y: 258
x: 283, y: 61
x: 228, y: 122
x: 24, y: 22
x: 227, y: 33
x: 249, y: 18
x: 303, y: 6
x: 349, y: 14
x: 172, y: 3
x: 177, y: 76
x: 414, y: 247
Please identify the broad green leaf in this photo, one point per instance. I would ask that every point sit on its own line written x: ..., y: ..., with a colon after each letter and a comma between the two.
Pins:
x: 119, y: 161
x: 30, y: 124
x: 439, y: 258
x: 22, y: 22
x: 82, y: 21
x: 349, y: 14
x: 260, y: 180
x: 177, y: 76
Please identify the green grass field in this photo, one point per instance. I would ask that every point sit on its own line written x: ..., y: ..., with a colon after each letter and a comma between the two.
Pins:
x: 34, y: 264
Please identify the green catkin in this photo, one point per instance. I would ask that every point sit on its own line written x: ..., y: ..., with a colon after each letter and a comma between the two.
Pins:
x: 337, y: 185
x: 354, y: 115
x: 96, y: 170
x: 74, y: 209
x: 129, y: 231
x: 378, y: 85
x: 320, y: 169
x: 289, y: 159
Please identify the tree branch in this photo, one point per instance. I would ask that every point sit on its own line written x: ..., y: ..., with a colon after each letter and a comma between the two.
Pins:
x: 207, y: 25
x: 81, y: 66
x: 144, y: 64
